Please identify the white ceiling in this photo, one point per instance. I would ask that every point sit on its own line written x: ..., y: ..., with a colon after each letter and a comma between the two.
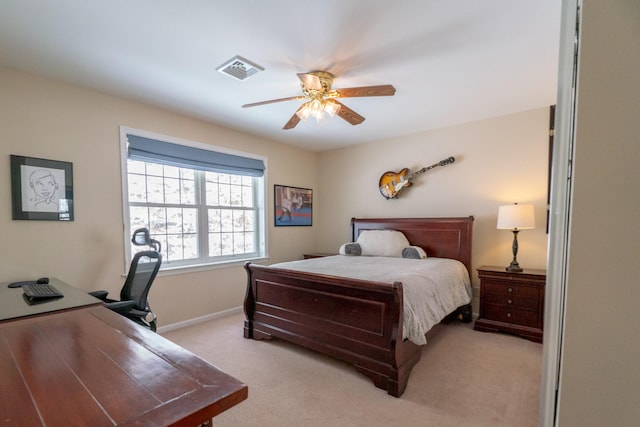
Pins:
x: 451, y: 61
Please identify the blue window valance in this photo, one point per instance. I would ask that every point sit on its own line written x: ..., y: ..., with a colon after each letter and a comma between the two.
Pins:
x: 166, y: 153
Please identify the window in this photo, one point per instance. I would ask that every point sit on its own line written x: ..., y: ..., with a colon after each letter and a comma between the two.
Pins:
x: 203, y: 206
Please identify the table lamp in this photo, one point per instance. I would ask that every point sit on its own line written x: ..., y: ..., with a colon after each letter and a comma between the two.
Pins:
x: 515, y: 218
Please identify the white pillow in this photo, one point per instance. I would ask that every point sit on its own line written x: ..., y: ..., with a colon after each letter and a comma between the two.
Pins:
x: 388, y: 243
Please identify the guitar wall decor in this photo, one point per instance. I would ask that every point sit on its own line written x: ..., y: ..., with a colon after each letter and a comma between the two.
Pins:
x: 392, y: 182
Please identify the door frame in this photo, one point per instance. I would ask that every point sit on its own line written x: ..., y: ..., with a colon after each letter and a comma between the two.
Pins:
x: 559, y: 211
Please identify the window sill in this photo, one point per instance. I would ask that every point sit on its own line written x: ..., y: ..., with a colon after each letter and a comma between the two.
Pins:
x: 184, y: 269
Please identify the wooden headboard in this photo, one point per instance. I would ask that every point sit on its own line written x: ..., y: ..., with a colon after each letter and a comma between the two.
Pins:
x: 439, y: 237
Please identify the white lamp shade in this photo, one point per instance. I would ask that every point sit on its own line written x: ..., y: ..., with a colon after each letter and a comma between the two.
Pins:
x: 516, y: 217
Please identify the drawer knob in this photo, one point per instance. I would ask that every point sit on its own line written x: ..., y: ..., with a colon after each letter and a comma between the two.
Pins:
x: 510, y: 301
x: 510, y: 289
x: 508, y: 314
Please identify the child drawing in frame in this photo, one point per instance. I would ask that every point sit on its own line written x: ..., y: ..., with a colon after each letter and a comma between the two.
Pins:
x: 43, y: 188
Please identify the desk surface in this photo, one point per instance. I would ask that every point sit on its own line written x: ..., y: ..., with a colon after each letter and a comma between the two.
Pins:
x: 13, y: 305
x: 92, y: 367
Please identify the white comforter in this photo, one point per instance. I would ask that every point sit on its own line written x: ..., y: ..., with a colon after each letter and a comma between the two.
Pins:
x: 432, y: 287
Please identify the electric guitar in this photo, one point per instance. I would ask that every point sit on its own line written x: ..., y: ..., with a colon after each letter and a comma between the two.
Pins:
x: 391, y: 182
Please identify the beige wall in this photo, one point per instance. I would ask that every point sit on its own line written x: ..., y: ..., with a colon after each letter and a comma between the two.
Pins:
x: 51, y: 120
x: 498, y: 161
x: 600, y: 370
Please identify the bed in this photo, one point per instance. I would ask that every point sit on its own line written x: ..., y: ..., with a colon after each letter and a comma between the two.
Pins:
x: 355, y: 320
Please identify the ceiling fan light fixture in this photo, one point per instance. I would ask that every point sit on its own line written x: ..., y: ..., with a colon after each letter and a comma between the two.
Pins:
x: 316, y: 109
x: 331, y: 107
x: 304, y: 112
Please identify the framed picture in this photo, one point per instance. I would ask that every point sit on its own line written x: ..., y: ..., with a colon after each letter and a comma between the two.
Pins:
x: 41, y: 189
x: 293, y: 206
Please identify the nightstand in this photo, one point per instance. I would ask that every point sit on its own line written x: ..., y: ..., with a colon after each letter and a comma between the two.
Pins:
x: 512, y: 302
x: 317, y: 255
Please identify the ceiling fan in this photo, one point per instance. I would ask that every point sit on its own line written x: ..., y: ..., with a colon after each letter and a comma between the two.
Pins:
x: 321, y: 98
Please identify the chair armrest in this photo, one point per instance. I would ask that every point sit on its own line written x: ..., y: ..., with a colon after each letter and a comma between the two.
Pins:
x: 99, y: 294
x: 141, y: 314
x: 121, y: 307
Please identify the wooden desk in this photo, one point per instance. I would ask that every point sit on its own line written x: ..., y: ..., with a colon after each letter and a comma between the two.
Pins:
x: 13, y: 305
x: 91, y: 367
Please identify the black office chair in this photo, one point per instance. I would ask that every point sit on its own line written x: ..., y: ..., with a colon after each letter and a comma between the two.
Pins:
x: 134, y: 300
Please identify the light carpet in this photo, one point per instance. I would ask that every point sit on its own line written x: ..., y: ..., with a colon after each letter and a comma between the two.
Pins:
x: 464, y: 378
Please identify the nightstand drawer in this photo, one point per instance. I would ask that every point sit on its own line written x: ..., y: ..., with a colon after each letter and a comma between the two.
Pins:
x: 511, y: 301
x: 509, y: 295
x: 513, y: 315
x: 510, y: 289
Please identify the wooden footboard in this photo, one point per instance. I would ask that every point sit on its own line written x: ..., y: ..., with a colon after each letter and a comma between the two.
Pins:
x: 357, y: 321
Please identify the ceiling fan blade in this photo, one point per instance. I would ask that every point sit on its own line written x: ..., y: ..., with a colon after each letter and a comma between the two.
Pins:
x: 354, y: 92
x: 294, y: 120
x: 271, y: 101
x: 310, y: 81
x: 349, y: 115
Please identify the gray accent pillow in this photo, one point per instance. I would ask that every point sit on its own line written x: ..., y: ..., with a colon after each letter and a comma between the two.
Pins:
x: 353, y: 249
x: 414, y: 252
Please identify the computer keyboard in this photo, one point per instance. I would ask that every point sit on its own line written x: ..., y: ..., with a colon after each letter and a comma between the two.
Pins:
x: 41, y: 291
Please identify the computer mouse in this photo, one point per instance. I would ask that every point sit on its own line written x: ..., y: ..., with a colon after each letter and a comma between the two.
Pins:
x: 43, y: 280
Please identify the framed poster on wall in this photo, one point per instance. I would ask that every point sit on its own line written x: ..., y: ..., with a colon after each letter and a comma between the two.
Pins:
x: 293, y: 206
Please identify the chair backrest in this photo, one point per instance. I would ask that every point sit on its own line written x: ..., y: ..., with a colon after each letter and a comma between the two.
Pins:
x: 143, y: 270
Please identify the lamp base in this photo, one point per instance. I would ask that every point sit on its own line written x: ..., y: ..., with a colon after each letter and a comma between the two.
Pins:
x: 514, y: 267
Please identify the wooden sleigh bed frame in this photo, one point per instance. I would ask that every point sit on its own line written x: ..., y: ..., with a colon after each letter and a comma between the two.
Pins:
x: 356, y: 321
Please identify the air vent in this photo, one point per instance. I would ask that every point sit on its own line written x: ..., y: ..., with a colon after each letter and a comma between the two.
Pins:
x: 239, y: 68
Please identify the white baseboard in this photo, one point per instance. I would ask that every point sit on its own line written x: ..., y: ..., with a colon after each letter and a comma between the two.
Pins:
x: 200, y: 319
